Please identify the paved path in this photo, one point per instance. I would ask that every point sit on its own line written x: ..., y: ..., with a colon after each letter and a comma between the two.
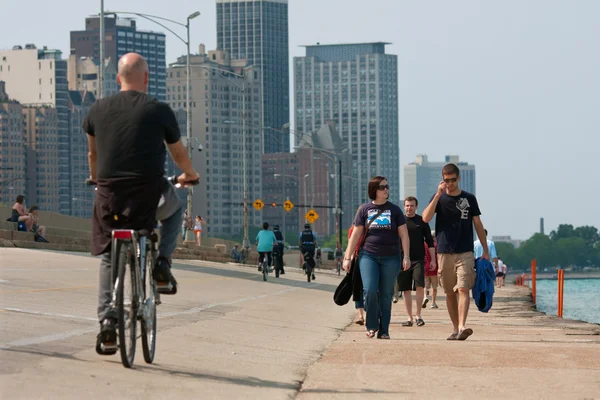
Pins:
x: 515, y: 352
x: 229, y: 335
x: 226, y: 334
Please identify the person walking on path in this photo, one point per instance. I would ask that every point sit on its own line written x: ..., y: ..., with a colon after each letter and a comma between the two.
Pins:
x: 414, y: 279
x: 478, y: 249
x: 431, y: 274
x: 379, y: 258
x: 198, y: 229
x: 457, y: 212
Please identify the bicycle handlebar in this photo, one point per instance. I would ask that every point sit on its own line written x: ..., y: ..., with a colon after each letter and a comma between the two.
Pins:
x: 172, y: 180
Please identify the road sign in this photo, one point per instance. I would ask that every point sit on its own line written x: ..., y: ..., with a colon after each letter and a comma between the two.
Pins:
x: 311, y: 216
x: 258, y: 204
x: 288, y: 205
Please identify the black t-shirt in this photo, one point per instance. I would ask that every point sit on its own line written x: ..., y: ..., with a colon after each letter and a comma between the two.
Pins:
x: 418, y: 232
x: 454, y: 222
x: 382, y: 238
x: 130, y: 129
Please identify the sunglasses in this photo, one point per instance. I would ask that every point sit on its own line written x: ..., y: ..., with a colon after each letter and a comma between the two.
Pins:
x: 450, y: 180
x: 383, y: 187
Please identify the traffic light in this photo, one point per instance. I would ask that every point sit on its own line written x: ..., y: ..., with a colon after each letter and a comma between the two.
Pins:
x: 274, y: 204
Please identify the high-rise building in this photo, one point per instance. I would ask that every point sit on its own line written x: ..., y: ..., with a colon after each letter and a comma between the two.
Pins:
x: 422, y: 177
x: 122, y: 37
x: 42, y: 135
x: 356, y: 87
x: 38, y: 78
x: 84, y: 74
x: 257, y: 31
x: 82, y: 196
x: 219, y: 125
x: 13, y: 168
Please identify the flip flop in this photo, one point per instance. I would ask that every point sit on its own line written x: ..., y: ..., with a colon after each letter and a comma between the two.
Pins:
x: 425, y: 303
x: 453, y: 336
x: 420, y: 322
x: 383, y: 336
x: 360, y: 322
x: 407, y: 323
x: 370, y: 334
x: 464, y: 334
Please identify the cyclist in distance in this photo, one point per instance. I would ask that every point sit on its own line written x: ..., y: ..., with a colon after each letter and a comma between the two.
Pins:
x: 265, y: 241
x: 308, y: 244
x: 126, y: 136
x: 280, y: 247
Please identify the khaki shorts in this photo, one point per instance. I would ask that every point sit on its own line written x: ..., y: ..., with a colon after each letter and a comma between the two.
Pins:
x: 432, y: 282
x: 456, y: 271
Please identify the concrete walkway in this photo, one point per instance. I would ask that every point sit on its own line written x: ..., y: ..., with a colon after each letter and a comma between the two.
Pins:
x: 515, y: 352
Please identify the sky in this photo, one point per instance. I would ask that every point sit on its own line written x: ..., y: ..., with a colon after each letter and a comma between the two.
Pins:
x: 511, y: 86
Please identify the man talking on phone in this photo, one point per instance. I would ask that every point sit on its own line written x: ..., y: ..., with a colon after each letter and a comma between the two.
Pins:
x: 457, y: 212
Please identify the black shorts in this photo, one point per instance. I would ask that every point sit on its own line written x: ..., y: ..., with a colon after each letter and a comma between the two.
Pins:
x: 499, y: 274
x: 413, y: 278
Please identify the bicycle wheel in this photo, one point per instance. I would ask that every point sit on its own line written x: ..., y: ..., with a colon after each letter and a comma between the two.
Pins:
x: 339, y: 267
x: 148, y: 322
x: 277, y: 266
x: 308, y: 272
x: 126, y: 304
x: 265, y: 270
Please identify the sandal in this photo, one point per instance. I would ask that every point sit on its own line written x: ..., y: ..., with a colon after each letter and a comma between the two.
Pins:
x: 360, y: 321
x: 407, y: 323
x: 420, y: 322
x: 383, y: 336
x: 370, y: 333
x: 464, y: 334
x: 453, y: 336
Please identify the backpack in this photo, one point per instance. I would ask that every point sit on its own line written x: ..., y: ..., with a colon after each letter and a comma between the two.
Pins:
x: 483, y: 291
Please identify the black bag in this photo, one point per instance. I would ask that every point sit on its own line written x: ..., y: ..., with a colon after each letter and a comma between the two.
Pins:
x: 345, y: 289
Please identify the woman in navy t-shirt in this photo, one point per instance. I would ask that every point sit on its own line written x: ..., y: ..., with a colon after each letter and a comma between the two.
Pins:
x: 379, y: 260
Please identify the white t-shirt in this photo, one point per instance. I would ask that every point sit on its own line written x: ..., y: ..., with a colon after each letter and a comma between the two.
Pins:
x: 501, y: 266
x: 198, y: 226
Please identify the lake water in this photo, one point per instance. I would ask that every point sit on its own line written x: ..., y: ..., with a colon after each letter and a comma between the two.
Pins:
x: 581, y: 298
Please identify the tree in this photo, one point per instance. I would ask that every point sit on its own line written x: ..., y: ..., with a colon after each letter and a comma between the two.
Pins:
x: 538, y: 247
x: 588, y: 233
x: 563, y: 231
x: 508, y: 253
x: 572, y: 251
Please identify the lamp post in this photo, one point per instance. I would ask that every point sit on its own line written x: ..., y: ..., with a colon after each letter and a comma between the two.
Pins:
x: 189, y: 235
x: 305, y: 200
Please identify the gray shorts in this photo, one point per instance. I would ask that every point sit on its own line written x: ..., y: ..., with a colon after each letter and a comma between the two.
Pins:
x: 413, y: 278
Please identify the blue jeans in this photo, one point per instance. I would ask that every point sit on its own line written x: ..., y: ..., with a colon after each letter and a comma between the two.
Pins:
x: 378, y: 275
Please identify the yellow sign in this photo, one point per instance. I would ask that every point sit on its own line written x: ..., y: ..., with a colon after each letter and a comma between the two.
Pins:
x: 288, y: 205
x: 311, y: 216
x: 258, y: 204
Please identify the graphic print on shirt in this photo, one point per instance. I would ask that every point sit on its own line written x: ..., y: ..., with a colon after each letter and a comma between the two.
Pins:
x: 383, y: 221
x: 463, y: 205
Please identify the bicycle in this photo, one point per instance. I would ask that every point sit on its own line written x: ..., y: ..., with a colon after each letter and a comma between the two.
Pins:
x: 134, y: 252
x: 307, y: 268
x: 276, y: 262
x: 264, y: 267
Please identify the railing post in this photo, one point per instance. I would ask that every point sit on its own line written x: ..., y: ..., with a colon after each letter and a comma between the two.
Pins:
x: 561, y: 288
x: 533, y: 279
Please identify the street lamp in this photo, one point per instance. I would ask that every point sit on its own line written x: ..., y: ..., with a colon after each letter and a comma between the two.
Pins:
x: 305, y: 201
x: 189, y: 235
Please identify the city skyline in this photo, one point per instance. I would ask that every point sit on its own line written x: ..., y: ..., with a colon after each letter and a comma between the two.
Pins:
x: 509, y: 87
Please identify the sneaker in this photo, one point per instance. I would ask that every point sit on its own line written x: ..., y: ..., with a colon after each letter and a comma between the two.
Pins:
x: 313, y: 277
x: 425, y: 303
x: 106, y: 341
x: 434, y: 305
x: 395, y: 299
x: 164, y: 279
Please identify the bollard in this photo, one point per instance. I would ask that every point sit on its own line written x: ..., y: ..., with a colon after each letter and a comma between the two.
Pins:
x: 533, y: 279
x: 561, y: 288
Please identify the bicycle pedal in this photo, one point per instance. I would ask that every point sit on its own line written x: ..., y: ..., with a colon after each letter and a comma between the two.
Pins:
x: 107, y: 347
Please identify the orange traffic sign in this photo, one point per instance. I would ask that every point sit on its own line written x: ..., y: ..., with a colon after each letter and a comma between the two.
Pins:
x: 311, y: 216
x: 288, y: 205
x: 258, y: 204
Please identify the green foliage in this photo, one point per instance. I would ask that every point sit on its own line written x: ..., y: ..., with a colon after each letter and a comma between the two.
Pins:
x: 566, y: 246
x: 331, y: 241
